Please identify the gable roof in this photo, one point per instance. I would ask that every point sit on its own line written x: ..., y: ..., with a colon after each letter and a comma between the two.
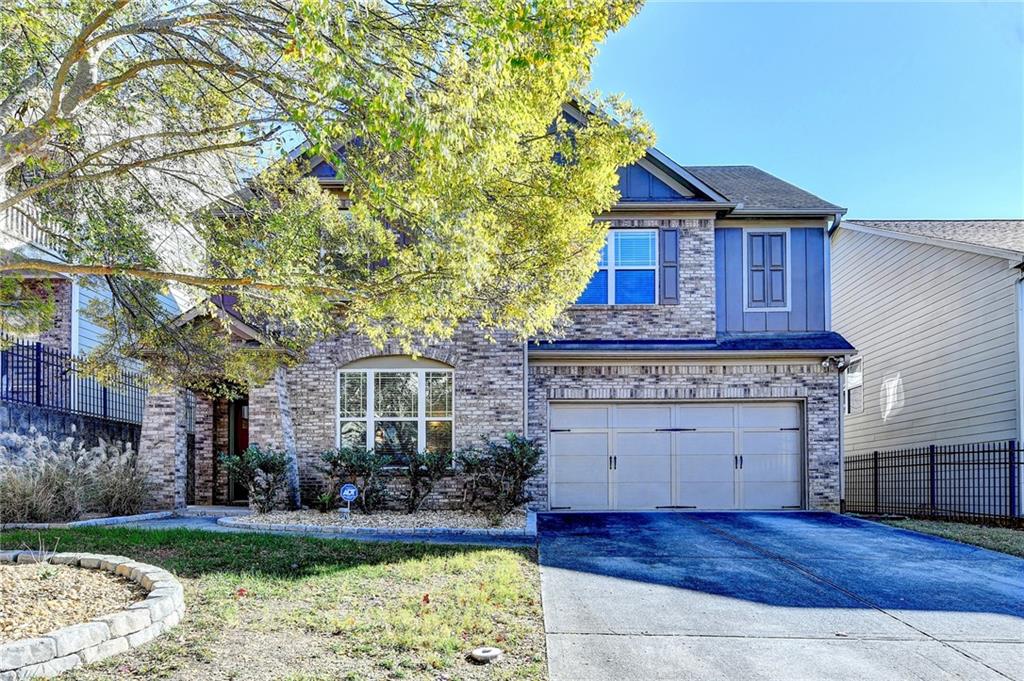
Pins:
x: 758, y: 191
x: 1004, y: 235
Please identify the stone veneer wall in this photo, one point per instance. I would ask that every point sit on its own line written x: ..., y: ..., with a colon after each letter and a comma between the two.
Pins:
x: 488, y: 398
x: 693, y: 317
x: 809, y: 382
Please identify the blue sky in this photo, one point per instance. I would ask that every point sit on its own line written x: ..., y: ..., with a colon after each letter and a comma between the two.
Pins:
x: 893, y: 110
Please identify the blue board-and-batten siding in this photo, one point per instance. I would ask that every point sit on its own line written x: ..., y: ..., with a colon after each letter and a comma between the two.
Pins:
x: 808, y: 289
x: 636, y: 184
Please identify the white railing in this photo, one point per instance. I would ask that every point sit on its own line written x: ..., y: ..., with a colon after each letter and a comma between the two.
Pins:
x: 26, y: 222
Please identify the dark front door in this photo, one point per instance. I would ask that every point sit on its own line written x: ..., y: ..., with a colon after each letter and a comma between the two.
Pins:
x: 238, y: 424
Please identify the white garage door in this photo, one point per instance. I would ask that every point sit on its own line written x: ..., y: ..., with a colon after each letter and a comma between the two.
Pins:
x: 744, y: 455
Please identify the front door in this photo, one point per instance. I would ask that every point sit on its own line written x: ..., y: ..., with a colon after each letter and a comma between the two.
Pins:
x: 238, y: 442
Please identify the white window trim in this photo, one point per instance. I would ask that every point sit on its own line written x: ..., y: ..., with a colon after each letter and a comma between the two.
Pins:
x: 788, y: 271
x: 848, y: 385
x: 369, y: 418
x: 611, y: 267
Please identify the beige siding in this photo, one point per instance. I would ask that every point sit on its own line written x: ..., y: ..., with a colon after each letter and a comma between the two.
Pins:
x: 945, y: 322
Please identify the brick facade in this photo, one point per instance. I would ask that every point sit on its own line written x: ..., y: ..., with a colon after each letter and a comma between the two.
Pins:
x: 204, y: 454
x: 58, y: 335
x: 487, y: 385
x: 810, y: 383
x: 693, y: 317
x: 163, y: 447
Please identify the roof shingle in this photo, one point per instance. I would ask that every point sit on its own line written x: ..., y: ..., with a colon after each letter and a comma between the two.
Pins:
x: 1005, y: 234
x: 758, y: 190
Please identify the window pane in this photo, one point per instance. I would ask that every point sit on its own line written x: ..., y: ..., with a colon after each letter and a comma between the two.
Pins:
x: 395, y: 393
x: 353, y: 434
x: 439, y: 436
x: 596, y: 292
x: 439, y: 393
x: 603, y: 262
x: 635, y: 249
x: 353, y: 394
x: 855, y: 397
x: 397, y: 438
x: 634, y: 286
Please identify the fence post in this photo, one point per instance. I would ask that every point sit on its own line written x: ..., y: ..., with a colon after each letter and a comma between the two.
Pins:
x: 931, y: 479
x: 103, y: 392
x: 39, y: 374
x: 1013, y: 479
x: 874, y: 469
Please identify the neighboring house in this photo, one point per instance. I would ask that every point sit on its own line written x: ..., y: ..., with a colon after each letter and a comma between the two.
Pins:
x: 699, y: 370
x: 42, y: 386
x: 935, y: 309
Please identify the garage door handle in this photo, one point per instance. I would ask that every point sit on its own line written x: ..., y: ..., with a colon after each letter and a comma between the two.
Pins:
x: 561, y: 430
x: 675, y: 430
x: 741, y: 462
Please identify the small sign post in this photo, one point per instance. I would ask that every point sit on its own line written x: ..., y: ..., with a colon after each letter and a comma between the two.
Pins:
x: 349, y: 493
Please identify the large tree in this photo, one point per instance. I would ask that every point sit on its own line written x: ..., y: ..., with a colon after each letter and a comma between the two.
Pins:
x: 152, y: 138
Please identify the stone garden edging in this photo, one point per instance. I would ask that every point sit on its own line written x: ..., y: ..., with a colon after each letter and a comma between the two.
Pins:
x: 434, y: 532
x: 92, y: 522
x: 66, y: 648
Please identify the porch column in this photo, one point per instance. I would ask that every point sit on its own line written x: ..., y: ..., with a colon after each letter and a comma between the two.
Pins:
x: 163, y: 447
x: 204, y: 450
x: 270, y: 425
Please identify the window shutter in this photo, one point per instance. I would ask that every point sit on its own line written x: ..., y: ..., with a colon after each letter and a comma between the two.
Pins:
x: 668, y: 256
x: 776, y: 262
x: 757, y: 273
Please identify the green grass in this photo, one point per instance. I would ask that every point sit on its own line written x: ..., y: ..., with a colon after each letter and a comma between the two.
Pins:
x: 270, y: 607
x: 1003, y: 539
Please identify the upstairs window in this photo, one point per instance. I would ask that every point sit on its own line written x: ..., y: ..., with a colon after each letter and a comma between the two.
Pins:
x: 395, y: 410
x: 853, y: 387
x: 766, y: 259
x: 627, y: 271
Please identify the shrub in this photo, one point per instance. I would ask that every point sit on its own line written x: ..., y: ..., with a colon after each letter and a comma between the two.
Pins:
x: 473, y: 467
x: 424, y: 469
x: 365, y: 468
x: 510, y: 465
x: 263, y: 471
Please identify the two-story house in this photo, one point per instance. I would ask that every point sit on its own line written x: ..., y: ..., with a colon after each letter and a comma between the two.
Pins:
x: 698, y: 371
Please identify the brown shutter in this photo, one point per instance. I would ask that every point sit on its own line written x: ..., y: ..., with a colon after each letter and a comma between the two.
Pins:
x: 668, y: 256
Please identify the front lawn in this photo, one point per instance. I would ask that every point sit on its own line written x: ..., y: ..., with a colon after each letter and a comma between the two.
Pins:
x: 1002, y: 539
x: 270, y: 607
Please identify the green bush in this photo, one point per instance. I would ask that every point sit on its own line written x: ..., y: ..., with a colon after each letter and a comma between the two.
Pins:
x: 263, y: 471
x: 365, y: 468
x: 499, y: 474
x: 424, y: 469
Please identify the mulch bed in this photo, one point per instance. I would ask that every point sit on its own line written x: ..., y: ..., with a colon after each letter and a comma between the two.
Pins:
x: 36, y: 599
x: 389, y: 519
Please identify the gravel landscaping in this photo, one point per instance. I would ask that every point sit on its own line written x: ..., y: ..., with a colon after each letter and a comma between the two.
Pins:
x: 36, y: 599
x: 387, y: 520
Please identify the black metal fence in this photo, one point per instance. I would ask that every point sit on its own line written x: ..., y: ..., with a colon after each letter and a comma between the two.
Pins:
x: 36, y: 374
x: 975, y: 482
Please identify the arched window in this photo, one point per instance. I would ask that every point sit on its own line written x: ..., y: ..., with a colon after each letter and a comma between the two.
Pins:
x: 395, y: 404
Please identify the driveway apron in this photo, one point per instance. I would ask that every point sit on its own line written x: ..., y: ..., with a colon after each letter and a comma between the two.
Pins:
x: 789, y: 596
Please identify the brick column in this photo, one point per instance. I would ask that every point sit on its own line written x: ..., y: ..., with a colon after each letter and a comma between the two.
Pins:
x: 220, y: 446
x: 163, y: 447
x: 204, y: 450
x: 270, y: 426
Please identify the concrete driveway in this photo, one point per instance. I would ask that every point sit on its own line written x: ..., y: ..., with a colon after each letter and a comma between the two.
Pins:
x: 788, y: 596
